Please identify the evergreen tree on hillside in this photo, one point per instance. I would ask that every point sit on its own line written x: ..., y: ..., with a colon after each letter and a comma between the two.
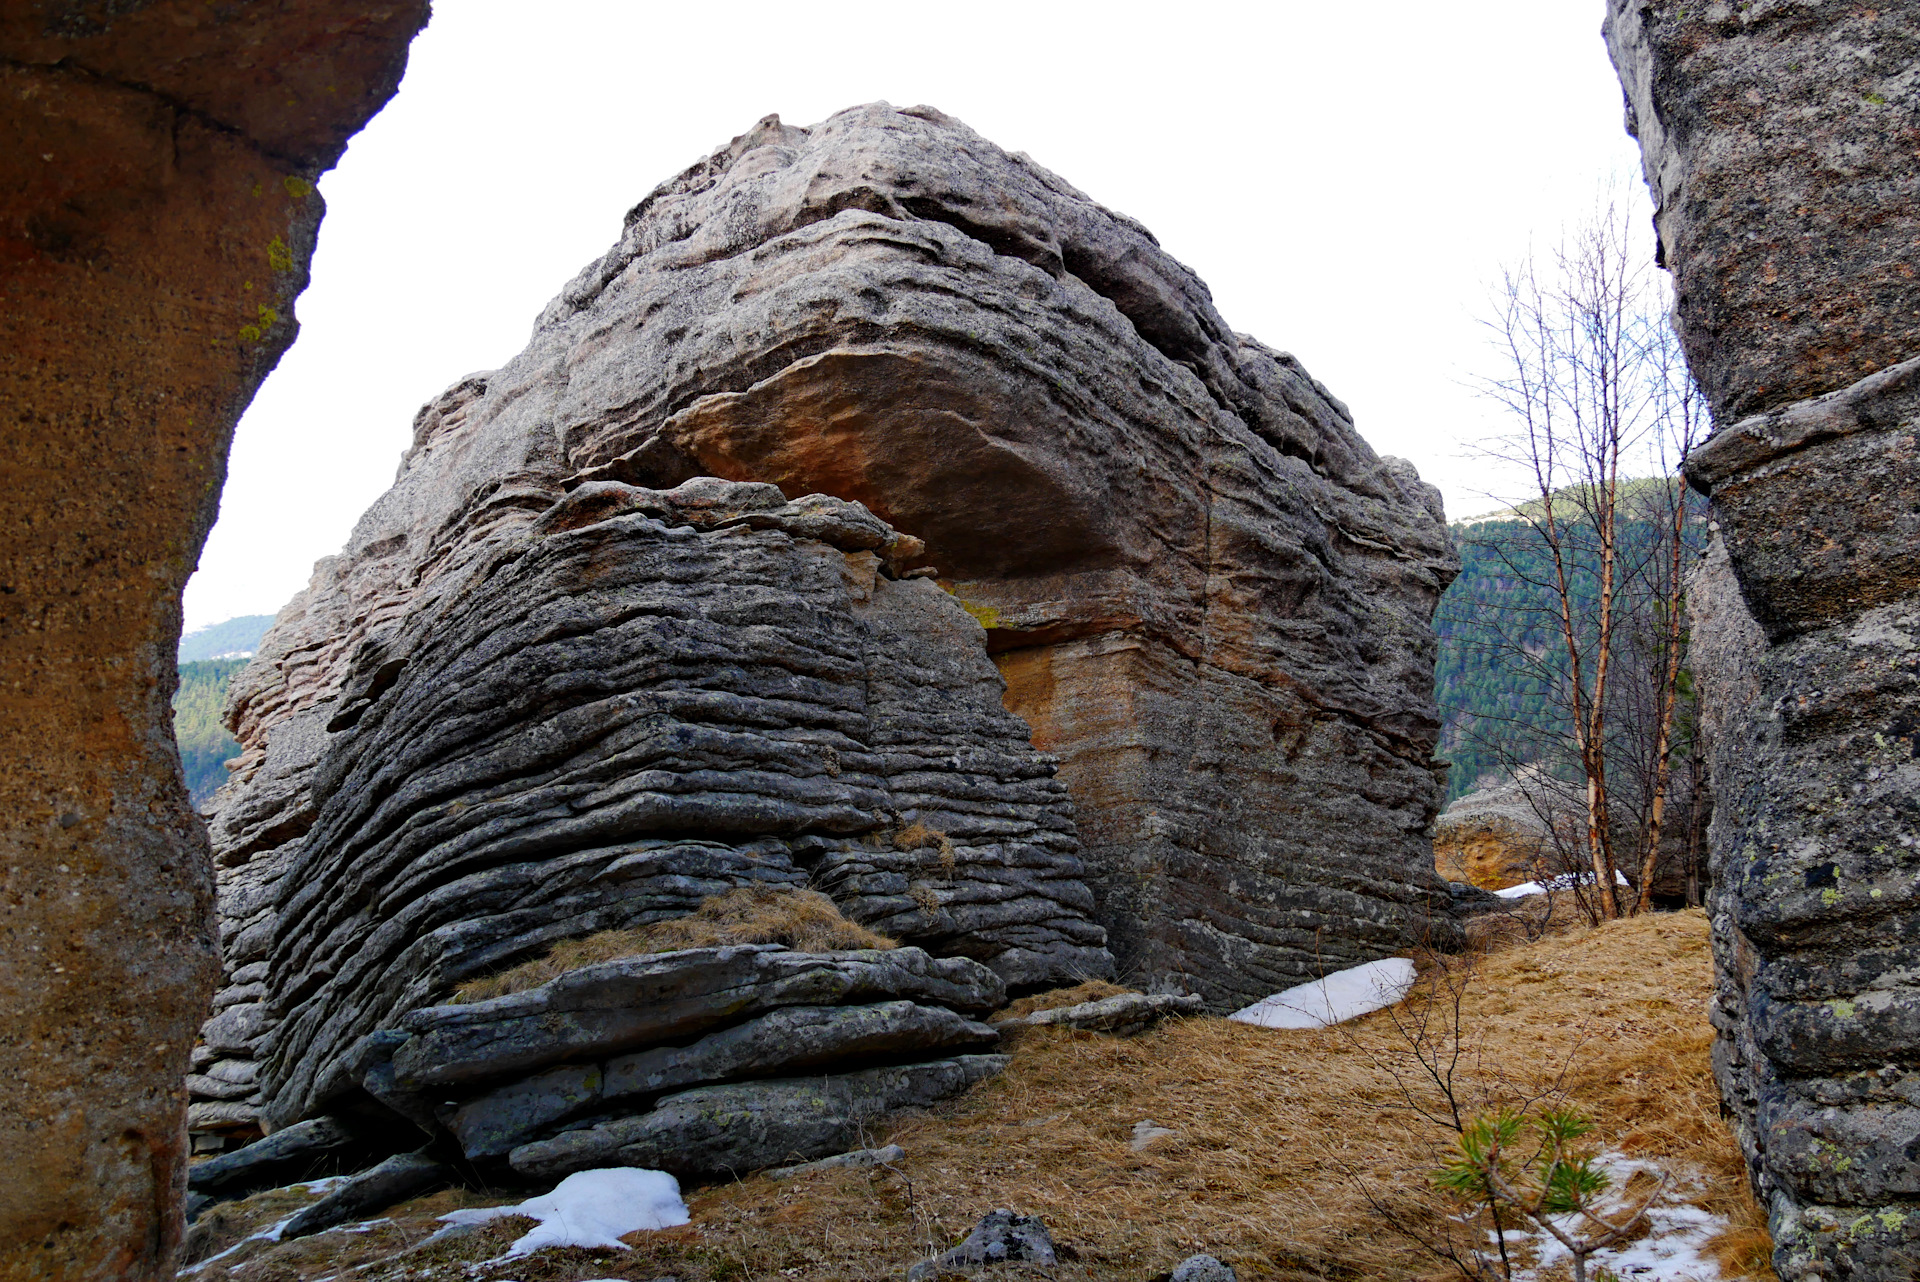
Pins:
x: 205, y: 745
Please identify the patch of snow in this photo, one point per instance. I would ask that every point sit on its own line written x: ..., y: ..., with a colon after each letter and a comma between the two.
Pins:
x: 590, y: 1209
x: 326, y: 1184
x: 1567, y: 882
x: 1343, y: 995
x: 1673, y: 1250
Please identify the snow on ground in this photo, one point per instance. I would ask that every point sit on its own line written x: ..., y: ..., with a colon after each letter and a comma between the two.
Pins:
x: 1341, y: 996
x: 1673, y: 1250
x: 590, y: 1209
x: 1568, y: 882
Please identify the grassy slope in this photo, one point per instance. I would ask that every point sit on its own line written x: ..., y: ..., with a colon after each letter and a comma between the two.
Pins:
x: 1274, y: 1130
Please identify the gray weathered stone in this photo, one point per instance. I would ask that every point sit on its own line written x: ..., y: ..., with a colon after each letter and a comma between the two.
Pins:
x: 859, y: 1159
x: 1123, y: 1014
x: 608, y: 676
x: 744, y: 1126
x: 280, y: 1158
x: 780, y: 1043
x: 1203, y: 1268
x: 1779, y: 141
x: 622, y: 1005
x: 542, y: 655
x: 1001, y: 1237
x: 404, y: 1176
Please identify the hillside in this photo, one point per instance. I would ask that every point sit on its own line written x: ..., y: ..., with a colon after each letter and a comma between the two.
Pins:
x: 204, y: 741
x: 1492, y: 708
x: 234, y: 639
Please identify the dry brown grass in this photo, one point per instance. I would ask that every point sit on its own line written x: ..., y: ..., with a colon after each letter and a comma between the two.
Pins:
x: 802, y: 919
x: 1276, y: 1133
x: 1054, y: 999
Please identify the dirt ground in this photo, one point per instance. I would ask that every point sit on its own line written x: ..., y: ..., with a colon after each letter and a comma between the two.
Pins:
x: 1296, y: 1154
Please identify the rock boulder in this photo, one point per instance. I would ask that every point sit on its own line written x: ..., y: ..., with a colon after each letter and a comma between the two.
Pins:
x: 562, y: 678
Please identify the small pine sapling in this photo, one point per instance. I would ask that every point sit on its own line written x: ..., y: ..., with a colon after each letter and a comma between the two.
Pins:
x: 1555, y: 1186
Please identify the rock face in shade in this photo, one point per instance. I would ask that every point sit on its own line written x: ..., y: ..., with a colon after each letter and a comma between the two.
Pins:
x: 632, y: 701
x: 1779, y: 141
x: 157, y: 216
x: 536, y: 665
x: 707, y: 1062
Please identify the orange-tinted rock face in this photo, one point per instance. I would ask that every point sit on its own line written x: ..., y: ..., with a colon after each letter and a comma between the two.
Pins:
x: 157, y: 213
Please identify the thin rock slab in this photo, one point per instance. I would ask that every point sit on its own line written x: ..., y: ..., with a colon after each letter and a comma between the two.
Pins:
x: 859, y: 1159
x: 634, y: 1002
x: 779, y: 1043
x: 745, y: 1126
x: 1123, y: 1014
x: 394, y: 1180
x: 280, y: 1158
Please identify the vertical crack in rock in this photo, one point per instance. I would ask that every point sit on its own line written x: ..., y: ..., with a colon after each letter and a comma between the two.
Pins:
x: 1779, y: 142
x: 879, y: 514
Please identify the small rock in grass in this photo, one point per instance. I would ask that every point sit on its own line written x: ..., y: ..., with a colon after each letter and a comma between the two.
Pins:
x: 1147, y: 1132
x: 1000, y: 1238
x: 861, y: 1157
x: 1202, y: 1268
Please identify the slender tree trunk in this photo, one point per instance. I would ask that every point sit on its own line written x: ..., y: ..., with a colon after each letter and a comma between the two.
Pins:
x: 1674, y: 601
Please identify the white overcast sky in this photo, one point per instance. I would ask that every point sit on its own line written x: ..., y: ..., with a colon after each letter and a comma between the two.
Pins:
x: 1347, y: 178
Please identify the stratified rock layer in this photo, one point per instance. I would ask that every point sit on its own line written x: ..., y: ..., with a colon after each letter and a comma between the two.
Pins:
x: 624, y: 702
x: 1779, y: 141
x: 157, y: 215
x: 705, y: 1062
x: 562, y: 678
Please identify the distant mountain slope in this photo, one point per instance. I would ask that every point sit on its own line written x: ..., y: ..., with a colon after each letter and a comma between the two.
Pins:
x: 1493, y: 710
x: 236, y: 638
x: 1481, y: 691
x: 204, y: 742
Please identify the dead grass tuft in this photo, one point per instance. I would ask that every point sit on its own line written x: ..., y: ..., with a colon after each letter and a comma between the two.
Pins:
x: 917, y: 836
x: 1091, y: 990
x: 802, y: 919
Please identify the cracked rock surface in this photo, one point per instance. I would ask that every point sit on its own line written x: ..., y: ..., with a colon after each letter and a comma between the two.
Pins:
x: 1778, y: 140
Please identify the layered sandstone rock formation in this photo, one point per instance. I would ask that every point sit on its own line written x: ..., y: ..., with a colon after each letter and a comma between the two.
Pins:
x: 1495, y: 837
x: 1779, y: 141
x: 157, y: 214
x: 618, y: 703
x: 586, y: 663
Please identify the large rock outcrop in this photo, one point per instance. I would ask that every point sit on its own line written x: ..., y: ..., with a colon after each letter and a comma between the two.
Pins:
x: 1779, y: 141
x: 622, y: 702
x: 1500, y: 835
x: 586, y: 663
x: 157, y: 215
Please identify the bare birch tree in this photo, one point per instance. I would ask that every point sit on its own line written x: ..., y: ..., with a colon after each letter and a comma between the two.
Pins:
x: 1595, y: 393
